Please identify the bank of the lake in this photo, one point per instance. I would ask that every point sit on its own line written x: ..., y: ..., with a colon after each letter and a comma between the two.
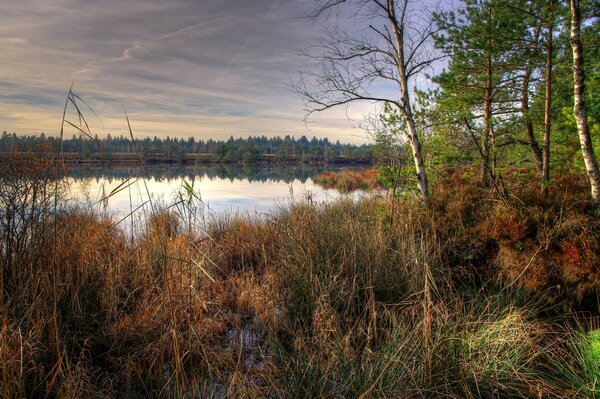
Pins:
x: 190, y: 159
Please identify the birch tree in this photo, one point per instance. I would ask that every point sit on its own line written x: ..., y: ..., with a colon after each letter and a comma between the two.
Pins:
x: 579, y: 107
x: 393, y: 48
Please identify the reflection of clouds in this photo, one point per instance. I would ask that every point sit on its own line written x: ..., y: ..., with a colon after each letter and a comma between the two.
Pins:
x: 220, y: 194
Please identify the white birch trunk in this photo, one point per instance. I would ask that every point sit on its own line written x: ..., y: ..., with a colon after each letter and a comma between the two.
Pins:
x: 406, y: 107
x: 579, y: 104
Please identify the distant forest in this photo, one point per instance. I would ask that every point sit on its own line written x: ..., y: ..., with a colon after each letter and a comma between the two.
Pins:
x: 251, y: 149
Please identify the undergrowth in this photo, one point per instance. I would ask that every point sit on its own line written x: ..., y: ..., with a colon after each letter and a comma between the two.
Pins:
x: 338, y: 300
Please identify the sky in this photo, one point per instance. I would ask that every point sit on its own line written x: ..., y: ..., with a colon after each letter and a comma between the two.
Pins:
x: 180, y: 68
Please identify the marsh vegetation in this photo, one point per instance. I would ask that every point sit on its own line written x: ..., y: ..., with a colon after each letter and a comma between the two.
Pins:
x: 468, y: 298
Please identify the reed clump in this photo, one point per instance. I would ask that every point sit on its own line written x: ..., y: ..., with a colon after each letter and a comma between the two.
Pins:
x: 349, y: 180
x: 342, y: 300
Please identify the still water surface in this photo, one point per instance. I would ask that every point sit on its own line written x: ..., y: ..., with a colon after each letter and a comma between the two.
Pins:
x: 242, y: 189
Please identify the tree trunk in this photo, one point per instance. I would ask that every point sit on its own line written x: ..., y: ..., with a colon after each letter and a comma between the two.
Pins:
x: 548, y: 105
x: 406, y: 108
x: 579, y: 104
x: 487, y: 122
x: 415, y: 146
x: 536, y: 153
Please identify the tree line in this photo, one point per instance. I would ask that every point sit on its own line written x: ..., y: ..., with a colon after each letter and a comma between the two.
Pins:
x: 519, y: 90
x: 251, y: 149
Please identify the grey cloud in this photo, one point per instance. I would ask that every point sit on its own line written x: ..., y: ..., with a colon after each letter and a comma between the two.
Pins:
x: 221, y: 64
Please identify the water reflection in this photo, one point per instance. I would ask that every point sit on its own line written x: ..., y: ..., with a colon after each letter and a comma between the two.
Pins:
x: 222, y: 187
x: 231, y: 172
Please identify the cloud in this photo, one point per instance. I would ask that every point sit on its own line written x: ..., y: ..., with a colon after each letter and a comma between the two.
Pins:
x: 180, y: 67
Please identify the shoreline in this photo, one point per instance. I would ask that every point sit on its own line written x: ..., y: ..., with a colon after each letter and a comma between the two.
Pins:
x: 190, y: 160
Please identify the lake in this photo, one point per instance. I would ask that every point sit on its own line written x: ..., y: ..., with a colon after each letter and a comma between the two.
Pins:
x: 222, y: 188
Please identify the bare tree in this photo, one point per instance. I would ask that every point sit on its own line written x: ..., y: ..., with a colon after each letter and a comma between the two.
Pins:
x: 579, y: 103
x: 393, y: 48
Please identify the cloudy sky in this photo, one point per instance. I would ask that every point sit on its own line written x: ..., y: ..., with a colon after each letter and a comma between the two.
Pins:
x: 203, y: 68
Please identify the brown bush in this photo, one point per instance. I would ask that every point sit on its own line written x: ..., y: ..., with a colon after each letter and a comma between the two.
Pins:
x: 347, y: 180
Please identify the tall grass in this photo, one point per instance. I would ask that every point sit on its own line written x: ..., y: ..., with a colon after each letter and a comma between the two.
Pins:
x: 319, y: 301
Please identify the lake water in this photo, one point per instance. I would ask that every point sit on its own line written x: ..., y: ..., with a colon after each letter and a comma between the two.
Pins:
x: 222, y: 188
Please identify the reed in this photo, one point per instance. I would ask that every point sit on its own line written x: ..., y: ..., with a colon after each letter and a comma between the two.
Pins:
x: 348, y: 180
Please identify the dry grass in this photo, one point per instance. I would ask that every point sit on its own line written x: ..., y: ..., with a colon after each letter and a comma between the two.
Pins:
x: 331, y: 301
x: 347, y: 180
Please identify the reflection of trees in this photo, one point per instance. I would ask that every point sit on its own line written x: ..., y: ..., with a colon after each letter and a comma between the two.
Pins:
x: 232, y: 172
